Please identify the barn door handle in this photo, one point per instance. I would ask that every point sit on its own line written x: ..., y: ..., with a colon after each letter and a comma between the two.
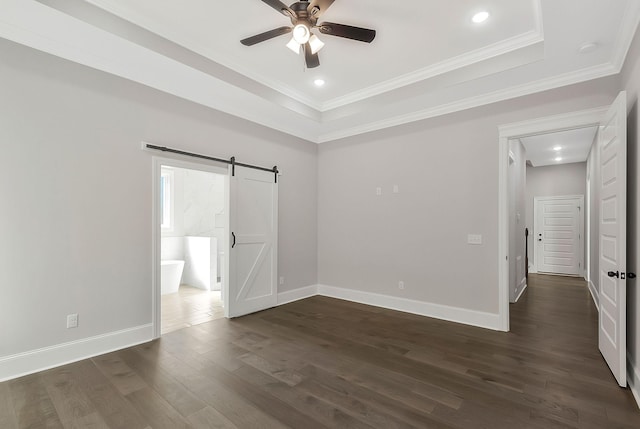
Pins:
x: 613, y: 274
x: 234, y: 240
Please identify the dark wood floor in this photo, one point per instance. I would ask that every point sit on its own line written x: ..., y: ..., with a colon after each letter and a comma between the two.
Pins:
x: 322, y: 363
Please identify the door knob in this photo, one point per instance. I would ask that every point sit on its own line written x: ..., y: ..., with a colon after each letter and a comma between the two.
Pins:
x: 631, y: 275
x: 613, y: 274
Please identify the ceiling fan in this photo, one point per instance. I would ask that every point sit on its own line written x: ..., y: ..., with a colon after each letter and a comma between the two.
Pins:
x: 304, y: 18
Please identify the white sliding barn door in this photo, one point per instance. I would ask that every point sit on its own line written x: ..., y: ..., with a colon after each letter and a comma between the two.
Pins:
x: 253, y: 241
x: 612, y: 144
x: 558, y: 234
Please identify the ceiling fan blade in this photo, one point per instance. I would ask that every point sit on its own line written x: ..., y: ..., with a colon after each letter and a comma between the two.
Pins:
x: 250, y: 41
x: 347, y: 31
x: 280, y: 7
x: 312, y: 60
x: 321, y: 5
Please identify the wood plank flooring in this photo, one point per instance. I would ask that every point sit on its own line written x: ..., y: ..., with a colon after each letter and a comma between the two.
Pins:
x: 189, y: 306
x: 326, y: 363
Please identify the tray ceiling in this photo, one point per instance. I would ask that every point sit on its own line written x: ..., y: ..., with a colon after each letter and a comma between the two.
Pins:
x: 428, y: 57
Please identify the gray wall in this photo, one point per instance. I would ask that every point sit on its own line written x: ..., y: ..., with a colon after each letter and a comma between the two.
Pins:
x: 517, y: 207
x: 553, y: 181
x: 631, y: 83
x: 75, y: 217
x: 447, y: 172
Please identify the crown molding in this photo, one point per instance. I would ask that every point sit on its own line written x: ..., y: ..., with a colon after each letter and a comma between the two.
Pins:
x: 455, y: 63
x: 464, y: 60
x: 477, y: 101
x: 626, y: 33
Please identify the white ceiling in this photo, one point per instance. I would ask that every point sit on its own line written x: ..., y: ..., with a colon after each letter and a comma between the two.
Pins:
x: 574, y: 146
x: 428, y: 58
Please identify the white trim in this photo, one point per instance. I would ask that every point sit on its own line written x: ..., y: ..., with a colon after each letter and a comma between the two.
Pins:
x: 626, y: 33
x: 633, y: 379
x: 467, y: 59
x: 476, y: 101
x: 176, y: 161
x: 594, y: 294
x: 503, y: 233
x: 21, y: 364
x: 570, y: 120
x: 561, y: 122
x: 41, y: 27
x: 522, y: 290
x: 438, y: 311
x: 297, y: 294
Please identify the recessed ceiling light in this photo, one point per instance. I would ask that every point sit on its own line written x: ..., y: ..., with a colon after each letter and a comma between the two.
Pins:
x: 558, y: 159
x: 480, y: 17
x: 319, y: 82
x: 557, y: 148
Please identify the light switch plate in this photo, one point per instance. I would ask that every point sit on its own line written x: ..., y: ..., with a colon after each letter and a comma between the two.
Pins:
x: 474, y: 239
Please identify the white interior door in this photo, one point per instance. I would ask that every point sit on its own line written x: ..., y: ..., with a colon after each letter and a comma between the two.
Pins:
x: 558, y: 234
x: 253, y: 247
x: 612, y: 144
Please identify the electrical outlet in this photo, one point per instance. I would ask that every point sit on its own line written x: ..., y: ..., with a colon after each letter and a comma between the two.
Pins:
x: 401, y: 285
x: 396, y: 189
x: 378, y: 191
x: 281, y: 281
x: 72, y: 320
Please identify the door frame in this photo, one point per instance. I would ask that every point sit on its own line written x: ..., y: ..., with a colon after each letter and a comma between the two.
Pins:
x: 156, y: 236
x: 562, y: 122
x: 536, y: 203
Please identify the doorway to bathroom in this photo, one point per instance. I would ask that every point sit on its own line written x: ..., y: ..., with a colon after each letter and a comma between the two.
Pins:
x: 193, y: 222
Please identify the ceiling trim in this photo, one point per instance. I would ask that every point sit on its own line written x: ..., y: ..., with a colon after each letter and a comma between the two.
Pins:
x: 477, y: 101
x: 455, y: 63
x: 46, y: 29
x: 464, y: 60
x: 555, y: 123
x: 627, y: 31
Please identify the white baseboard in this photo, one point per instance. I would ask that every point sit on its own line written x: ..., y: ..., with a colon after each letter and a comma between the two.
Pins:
x: 523, y: 289
x: 438, y: 311
x: 633, y: 378
x: 20, y: 364
x: 297, y: 294
x: 533, y: 270
x: 594, y: 294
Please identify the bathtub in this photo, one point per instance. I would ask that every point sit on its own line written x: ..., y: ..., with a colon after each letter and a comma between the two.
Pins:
x: 170, y: 275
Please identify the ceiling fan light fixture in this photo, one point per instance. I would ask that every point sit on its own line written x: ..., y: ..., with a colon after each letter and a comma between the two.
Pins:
x: 315, y: 43
x: 301, y: 34
x: 294, y: 46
